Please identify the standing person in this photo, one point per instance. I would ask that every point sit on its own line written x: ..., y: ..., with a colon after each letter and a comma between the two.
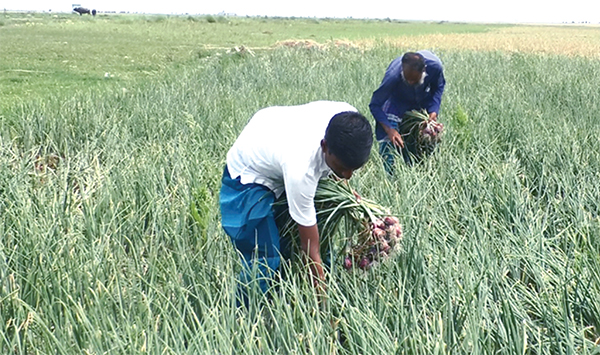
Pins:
x: 287, y: 148
x: 414, y: 81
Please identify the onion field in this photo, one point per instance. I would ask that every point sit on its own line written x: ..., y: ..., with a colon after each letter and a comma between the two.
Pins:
x: 110, y: 237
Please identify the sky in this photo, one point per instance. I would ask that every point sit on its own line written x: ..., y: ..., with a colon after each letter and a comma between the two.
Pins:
x: 487, y: 11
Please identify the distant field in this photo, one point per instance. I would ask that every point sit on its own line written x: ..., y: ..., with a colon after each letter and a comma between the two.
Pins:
x: 43, y: 54
x: 113, y: 136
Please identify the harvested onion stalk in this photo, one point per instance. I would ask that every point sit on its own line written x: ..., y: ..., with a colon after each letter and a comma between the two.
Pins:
x: 418, y: 127
x: 366, y: 232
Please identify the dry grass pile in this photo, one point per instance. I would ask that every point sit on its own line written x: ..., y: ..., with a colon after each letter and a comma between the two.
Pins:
x: 311, y: 44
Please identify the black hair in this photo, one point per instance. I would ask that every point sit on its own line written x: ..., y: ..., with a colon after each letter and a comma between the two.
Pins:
x: 413, y: 61
x: 349, y: 137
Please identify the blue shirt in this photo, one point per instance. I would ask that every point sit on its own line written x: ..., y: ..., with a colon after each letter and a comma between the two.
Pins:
x: 395, y: 96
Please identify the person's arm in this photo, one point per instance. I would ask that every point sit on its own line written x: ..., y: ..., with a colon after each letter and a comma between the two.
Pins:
x: 436, y: 98
x: 384, y: 92
x: 381, y: 95
x: 309, y: 242
x: 300, y: 190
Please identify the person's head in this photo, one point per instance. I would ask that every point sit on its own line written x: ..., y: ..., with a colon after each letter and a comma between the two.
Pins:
x: 413, y: 68
x: 347, y: 143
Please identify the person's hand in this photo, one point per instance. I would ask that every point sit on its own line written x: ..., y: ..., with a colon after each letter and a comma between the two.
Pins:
x: 433, y: 116
x: 309, y: 242
x: 394, y: 136
x: 317, y: 275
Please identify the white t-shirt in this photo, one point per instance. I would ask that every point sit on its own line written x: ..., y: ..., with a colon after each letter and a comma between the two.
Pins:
x: 280, y: 148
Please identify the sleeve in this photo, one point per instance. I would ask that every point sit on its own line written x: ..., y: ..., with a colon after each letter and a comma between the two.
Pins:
x: 300, y: 190
x: 438, y: 90
x: 384, y: 92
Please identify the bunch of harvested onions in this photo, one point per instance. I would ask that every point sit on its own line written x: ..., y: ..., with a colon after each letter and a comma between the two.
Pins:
x: 368, y: 233
x: 375, y: 243
x: 418, y: 127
